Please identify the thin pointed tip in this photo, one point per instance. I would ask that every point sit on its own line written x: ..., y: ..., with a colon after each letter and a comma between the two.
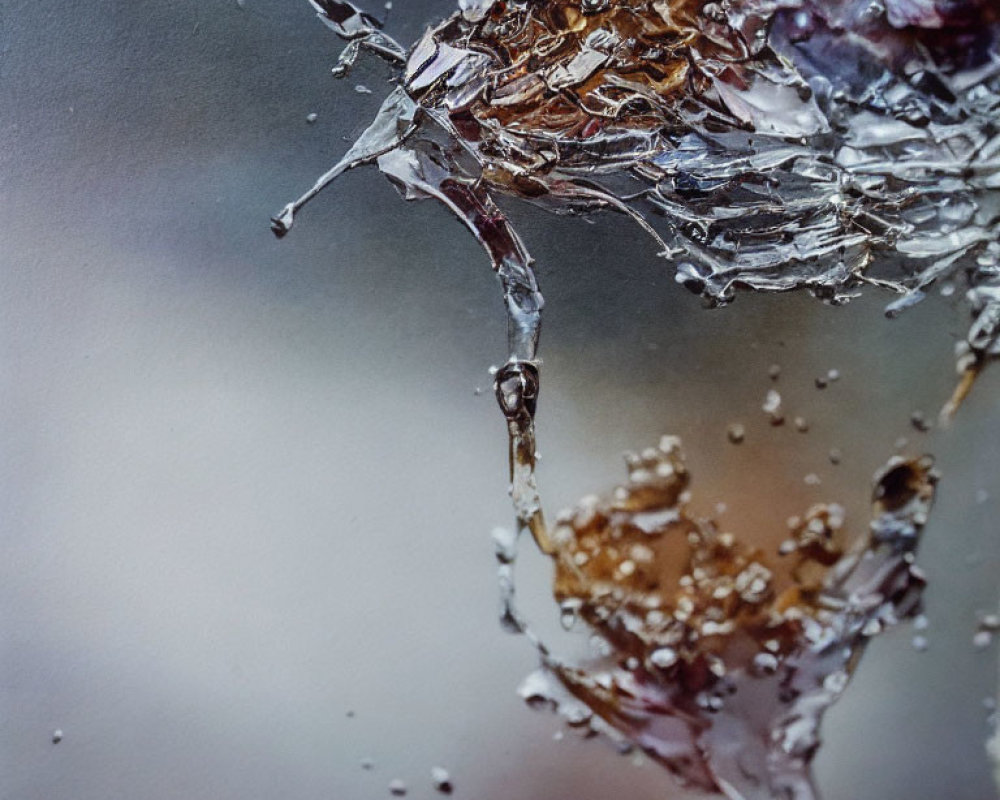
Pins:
x: 281, y: 224
x: 962, y: 389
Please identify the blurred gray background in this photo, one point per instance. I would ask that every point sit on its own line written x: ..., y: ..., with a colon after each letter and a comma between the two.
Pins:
x: 248, y: 486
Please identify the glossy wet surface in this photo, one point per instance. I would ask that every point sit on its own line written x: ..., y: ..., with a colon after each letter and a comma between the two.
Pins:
x: 248, y: 485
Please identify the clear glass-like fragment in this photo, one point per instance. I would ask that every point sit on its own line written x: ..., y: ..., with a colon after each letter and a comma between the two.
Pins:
x: 763, y: 144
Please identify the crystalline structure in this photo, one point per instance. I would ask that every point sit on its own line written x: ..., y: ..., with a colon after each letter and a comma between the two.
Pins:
x: 764, y: 144
x: 718, y: 659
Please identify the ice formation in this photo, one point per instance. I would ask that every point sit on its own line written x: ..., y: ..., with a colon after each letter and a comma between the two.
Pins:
x: 763, y: 144
x: 714, y: 657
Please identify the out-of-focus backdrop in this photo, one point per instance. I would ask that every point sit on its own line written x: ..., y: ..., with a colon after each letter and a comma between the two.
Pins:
x: 247, y: 487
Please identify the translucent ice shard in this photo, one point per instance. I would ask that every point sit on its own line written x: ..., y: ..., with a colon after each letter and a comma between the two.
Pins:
x: 762, y: 144
x: 716, y: 658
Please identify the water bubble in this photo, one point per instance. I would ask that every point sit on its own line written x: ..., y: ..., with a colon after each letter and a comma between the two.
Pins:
x: 442, y: 780
x: 569, y: 612
x: 919, y: 422
x: 765, y: 663
x: 505, y: 544
x: 920, y: 622
x: 772, y: 407
x: 801, y: 424
x: 836, y: 681
x: 920, y: 643
x: 833, y: 375
x: 397, y: 787
x: 663, y: 657
x: 736, y: 433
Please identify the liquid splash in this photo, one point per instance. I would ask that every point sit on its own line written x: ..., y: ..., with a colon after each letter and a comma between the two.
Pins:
x: 715, y: 658
x: 762, y: 145
x: 768, y: 145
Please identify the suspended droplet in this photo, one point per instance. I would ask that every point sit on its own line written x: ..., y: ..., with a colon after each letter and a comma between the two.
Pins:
x: 663, y: 657
x: 441, y: 780
x: 772, y: 407
x: 919, y: 422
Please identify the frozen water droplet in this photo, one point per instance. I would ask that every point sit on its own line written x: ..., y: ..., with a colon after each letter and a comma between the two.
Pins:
x: 663, y: 657
x: 836, y: 681
x: 765, y: 663
x: 919, y: 422
x: 568, y: 613
x: 920, y: 622
x: 397, y: 787
x: 442, y: 780
x: 505, y: 544
x: 801, y: 424
x: 772, y: 407
x: 736, y: 433
x: 312, y: 117
x: 833, y: 375
x: 57, y: 736
x: 920, y: 643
